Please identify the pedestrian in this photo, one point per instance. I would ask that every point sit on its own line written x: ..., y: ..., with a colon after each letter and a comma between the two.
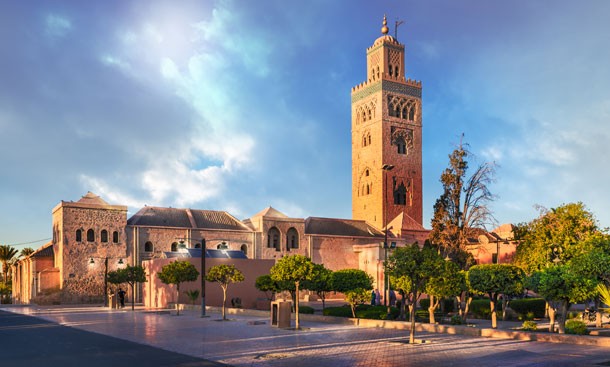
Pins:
x: 377, y: 297
x: 121, y: 293
x: 392, y: 297
x: 373, y: 297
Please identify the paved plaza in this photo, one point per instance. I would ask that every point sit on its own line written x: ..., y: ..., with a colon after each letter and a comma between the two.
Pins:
x: 251, y: 341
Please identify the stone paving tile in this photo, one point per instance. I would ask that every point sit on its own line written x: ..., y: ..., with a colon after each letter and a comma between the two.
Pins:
x: 243, y: 342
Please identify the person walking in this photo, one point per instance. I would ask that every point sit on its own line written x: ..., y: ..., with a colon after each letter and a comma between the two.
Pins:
x: 373, y: 295
x: 121, y: 293
x: 377, y: 297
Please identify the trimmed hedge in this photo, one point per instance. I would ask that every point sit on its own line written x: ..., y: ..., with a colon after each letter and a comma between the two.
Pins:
x: 446, y: 304
x: 526, y: 305
x: 306, y: 309
x: 480, y: 308
x: 363, y: 312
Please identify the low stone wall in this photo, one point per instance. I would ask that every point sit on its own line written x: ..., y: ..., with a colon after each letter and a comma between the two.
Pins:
x: 600, y: 341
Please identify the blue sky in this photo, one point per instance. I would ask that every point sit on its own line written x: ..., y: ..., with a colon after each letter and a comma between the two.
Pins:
x: 238, y: 105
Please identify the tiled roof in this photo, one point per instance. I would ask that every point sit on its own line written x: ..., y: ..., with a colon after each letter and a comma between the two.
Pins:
x: 43, y: 252
x: 181, y: 218
x: 212, y: 219
x: 160, y: 217
x: 340, y: 227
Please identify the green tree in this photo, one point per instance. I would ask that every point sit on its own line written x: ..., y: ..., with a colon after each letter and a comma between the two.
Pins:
x: 494, y: 280
x: 294, y: 269
x: 321, y: 282
x: 224, y: 275
x: 446, y: 284
x: 7, y: 255
x: 463, y: 207
x: 562, y: 287
x: 353, y: 283
x: 178, y: 272
x: 595, y: 265
x: 26, y: 251
x: 264, y: 283
x: 130, y: 275
x: 413, y: 267
x: 557, y: 236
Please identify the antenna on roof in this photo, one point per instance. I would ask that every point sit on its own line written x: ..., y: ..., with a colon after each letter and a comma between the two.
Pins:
x: 398, y: 22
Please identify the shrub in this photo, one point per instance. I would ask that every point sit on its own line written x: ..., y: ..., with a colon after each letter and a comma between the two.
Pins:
x: 529, y: 326
x: 306, y: 309
x: 456, y: 320
x: 525, y: 306
x: 362, y: 311
x: 446, y: 304
x: 376, y: 312
x: 480, y: 308
x: 577, y: 327
x: 341, y: 311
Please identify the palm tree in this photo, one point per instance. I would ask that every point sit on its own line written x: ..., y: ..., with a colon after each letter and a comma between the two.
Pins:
x: 26, y: 251
x: 7, y: 254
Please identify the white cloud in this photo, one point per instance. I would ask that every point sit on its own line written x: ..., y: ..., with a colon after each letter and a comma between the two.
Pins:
x: 57, y: 26
x: 110, y: 194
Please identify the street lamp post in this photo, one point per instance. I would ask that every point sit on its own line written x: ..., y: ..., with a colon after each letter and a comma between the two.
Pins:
x: 92, y: 262
x: 386, y: 289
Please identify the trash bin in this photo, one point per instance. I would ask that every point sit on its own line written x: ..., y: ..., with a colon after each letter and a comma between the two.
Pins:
x: 112, y: 301
x: 280, y: 313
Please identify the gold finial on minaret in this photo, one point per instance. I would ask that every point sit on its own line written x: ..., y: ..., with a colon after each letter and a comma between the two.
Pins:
x: 384, y: 29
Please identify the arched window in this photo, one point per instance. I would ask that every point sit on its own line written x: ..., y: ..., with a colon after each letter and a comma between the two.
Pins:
x: 368, y: 189
x: 368, y: 112
x: 412, y: 113
x: 396, y: 71
x: 148, y: 247
x: 369, y: 137
x: 400, y: 195
x: 401, y: 144
x: 79, y: 235
x: 90, y: 235
x: 244, y: 249
x: 391, y: 71
x: 174, y: 247
x: 373, y: 73
x: 363, y: 115
x: 115, y: 237
x: 222, y: 246
x: 198, y: 245
x: 292, y: 238
x: 377, y: 72
x: 366, y: 173
x: 273, y: 238
x: 104, y: 235
x: 364, y: 141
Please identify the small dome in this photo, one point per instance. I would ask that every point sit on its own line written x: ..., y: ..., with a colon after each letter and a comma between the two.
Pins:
x: 384, y: 29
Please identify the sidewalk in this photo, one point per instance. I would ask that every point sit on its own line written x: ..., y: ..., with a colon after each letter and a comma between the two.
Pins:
x: 248, y: 340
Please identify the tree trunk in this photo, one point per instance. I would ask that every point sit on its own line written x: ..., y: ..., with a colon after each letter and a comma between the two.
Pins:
x: 412, y: 320
x: 562, y: 317
x: 296, y: 303
x: 599, y: 314
x: 133, y: 297
x: 224, y: 302
x: 551, y: 313
x: 494, y: 316
x: 177, y: 300
x: 504, y: 306
x: 431, y: 309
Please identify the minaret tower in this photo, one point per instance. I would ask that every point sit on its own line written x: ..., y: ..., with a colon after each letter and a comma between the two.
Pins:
x: 387, y: 130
